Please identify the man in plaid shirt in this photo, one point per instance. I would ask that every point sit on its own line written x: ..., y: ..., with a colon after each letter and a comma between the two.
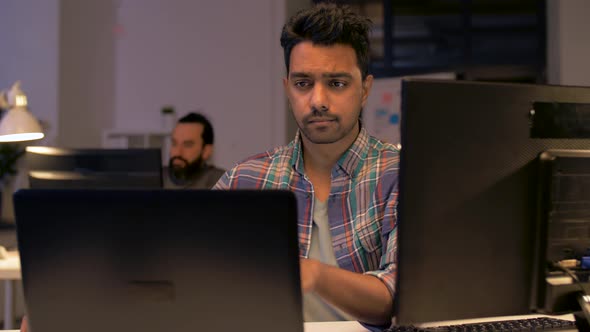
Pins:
x: 345, y: 181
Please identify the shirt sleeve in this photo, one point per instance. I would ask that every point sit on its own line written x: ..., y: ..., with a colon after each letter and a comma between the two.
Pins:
x: 388, y: 266
x: 387, y: 272
x: 224, y: 182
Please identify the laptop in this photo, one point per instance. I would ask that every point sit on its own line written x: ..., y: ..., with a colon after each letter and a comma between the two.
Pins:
x: 159, y: 260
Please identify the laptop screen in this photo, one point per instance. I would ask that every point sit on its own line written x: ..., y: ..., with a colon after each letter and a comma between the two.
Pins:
x: 155, y: 260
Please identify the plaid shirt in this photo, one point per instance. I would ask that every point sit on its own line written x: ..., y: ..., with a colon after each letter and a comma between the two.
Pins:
x: 361, y: 206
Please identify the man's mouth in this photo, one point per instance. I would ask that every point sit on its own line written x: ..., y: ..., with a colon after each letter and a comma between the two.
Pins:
x: 178, y: 162
x: 321, y: 121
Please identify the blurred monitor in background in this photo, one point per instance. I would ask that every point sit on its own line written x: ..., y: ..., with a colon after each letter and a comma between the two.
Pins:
x: 62, y: 168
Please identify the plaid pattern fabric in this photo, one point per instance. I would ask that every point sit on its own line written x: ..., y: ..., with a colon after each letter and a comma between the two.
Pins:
x: 361, y: 206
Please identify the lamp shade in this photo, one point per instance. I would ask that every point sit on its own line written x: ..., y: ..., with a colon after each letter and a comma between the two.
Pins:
x: 18, y: 124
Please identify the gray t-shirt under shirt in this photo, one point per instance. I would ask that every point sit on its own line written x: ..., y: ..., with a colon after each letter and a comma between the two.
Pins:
x: 315, y: 309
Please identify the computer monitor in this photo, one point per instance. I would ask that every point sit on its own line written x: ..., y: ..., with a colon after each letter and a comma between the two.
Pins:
x: 468, y: 235
x: 62, y: 168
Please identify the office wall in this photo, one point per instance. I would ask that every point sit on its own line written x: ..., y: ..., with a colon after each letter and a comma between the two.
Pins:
x: 94, y: 65
x: 568, y: 49
x: 86, y: 71
x: 222, y: 57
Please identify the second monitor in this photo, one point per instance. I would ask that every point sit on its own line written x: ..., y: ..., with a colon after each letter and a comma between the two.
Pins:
x: 62, y: 168
x: 468, y: 244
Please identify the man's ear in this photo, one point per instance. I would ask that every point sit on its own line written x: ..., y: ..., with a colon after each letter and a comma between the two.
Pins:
x: 207, y: 152
x: 286, y: 85
x: 367, y: 85
x: 286, y: 88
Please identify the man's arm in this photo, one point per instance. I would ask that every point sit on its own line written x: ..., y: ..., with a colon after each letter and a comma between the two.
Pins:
x: 224, y: 181
x: 24, y: 326
x: 366, y: 296
x: 363, y: 296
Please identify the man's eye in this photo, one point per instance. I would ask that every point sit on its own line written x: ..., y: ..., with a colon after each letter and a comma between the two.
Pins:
x: 338, y: 84
x: 302, y: 84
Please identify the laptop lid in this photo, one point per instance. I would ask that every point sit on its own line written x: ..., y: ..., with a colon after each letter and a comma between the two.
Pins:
x: 159, y: 260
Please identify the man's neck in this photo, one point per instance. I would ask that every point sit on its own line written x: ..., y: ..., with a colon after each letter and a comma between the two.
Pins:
x: 323, y: 157
x: 319, y: 159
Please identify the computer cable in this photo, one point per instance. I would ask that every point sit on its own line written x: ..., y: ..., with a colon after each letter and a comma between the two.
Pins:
x: 582, y: 297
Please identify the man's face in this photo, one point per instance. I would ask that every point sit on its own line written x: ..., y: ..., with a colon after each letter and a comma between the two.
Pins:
x: 187, y: 145
x: 326, y: 91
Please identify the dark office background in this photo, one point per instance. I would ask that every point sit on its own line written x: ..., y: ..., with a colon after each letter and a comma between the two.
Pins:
x: 93, y: 66
x: 491, y: 40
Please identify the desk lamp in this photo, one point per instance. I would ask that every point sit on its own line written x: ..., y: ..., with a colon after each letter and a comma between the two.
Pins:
x: 17, y: 124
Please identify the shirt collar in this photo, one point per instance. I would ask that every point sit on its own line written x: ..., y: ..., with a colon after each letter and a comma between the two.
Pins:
x: 350, y: 161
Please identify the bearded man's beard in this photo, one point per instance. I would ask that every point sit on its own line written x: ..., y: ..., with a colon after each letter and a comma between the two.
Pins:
x: 185, y: 171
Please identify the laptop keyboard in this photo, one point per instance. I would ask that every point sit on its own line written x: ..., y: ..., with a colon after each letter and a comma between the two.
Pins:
x: 529, y: 324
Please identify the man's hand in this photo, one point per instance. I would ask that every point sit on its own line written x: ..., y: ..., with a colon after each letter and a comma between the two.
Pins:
x: 310, y: 274
x: 363, y: 296
x: 23, y: 325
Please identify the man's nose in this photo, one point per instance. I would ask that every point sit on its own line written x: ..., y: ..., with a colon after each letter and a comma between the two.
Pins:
x: 319, y: 98
x: 175, y: 151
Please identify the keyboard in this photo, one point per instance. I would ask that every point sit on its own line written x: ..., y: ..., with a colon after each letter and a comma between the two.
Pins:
x: 529, y: 324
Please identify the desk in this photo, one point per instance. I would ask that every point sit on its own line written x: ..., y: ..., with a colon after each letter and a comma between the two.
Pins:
x: 320, y: 327
x: 9, y: 273
x: 334, y: 327
x: 356, y: 327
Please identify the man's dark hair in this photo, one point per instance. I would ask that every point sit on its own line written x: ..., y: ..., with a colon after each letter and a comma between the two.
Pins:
x: 329, y: 24
x: 199, y: 118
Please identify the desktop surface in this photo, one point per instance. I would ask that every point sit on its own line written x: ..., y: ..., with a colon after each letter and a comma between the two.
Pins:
x: 352, y: 326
